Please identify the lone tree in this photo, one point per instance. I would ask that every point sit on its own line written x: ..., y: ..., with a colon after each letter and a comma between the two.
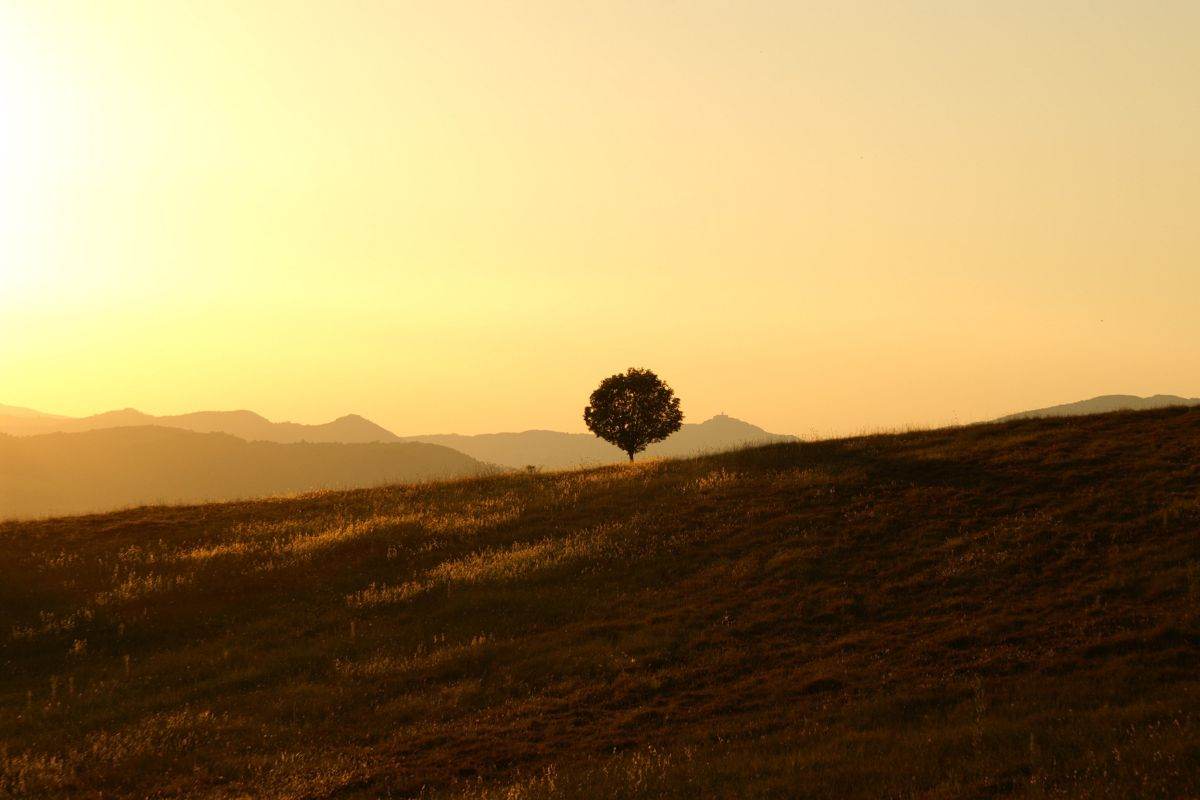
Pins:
x: 633, y: 410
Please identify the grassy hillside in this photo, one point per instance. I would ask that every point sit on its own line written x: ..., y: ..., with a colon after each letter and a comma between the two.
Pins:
x: 978, y: 612
x: 70, y: 473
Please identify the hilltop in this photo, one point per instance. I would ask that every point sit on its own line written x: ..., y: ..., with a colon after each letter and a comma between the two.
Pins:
x: 995, y: 610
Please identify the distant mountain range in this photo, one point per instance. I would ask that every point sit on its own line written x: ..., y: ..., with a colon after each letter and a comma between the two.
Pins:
x: 554, y: 450
x: 1104, y: 404
x: 546, y: 449
x: 242, y: 424
x: 51, y: 464
x: 103, y: 469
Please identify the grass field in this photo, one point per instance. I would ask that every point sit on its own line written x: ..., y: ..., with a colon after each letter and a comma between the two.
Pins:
x: 988, y: 611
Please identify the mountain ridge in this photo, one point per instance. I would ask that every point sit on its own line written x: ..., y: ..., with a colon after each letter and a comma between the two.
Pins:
x: 559, y: 450
x: 21, y: 412
x: 1103, y: 404
x: 245, y: 424
x: 537, y: 447
x: 109, y: 468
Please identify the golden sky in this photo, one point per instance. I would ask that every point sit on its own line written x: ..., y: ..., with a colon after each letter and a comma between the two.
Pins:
x: 820, y: 217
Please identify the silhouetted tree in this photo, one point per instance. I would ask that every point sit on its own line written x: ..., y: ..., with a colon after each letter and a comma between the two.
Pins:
x: 633, y: 410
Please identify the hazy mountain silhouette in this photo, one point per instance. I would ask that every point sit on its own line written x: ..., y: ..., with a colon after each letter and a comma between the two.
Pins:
x: 554, y: 450
x: 243, y: 424
x: 1105, y: 403
x: 549, y: 449
x: 64, y: 473
x: 18, y: 412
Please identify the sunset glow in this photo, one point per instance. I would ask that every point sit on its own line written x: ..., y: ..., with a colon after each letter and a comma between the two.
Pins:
x: 460, y: 220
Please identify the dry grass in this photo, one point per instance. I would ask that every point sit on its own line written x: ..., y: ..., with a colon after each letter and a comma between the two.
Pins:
x: 1004, y: 610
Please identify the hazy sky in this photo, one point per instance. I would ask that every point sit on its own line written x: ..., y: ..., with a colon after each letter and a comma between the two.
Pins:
x: 448, y: 216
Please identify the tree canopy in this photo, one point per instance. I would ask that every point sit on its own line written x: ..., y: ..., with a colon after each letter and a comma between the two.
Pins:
x: 632, y: 410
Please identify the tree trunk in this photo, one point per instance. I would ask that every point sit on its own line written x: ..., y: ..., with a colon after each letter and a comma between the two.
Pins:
x: 630, y: 452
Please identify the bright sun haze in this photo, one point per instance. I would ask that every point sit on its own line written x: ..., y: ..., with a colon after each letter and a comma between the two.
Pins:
x: 460, y: 216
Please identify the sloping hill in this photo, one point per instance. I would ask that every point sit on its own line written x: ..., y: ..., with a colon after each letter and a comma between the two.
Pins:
x: 555, y: 450
x: 1000, y: 610
x: 246, y: 425
x: 1105, y: 404
x: 65, y: 473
